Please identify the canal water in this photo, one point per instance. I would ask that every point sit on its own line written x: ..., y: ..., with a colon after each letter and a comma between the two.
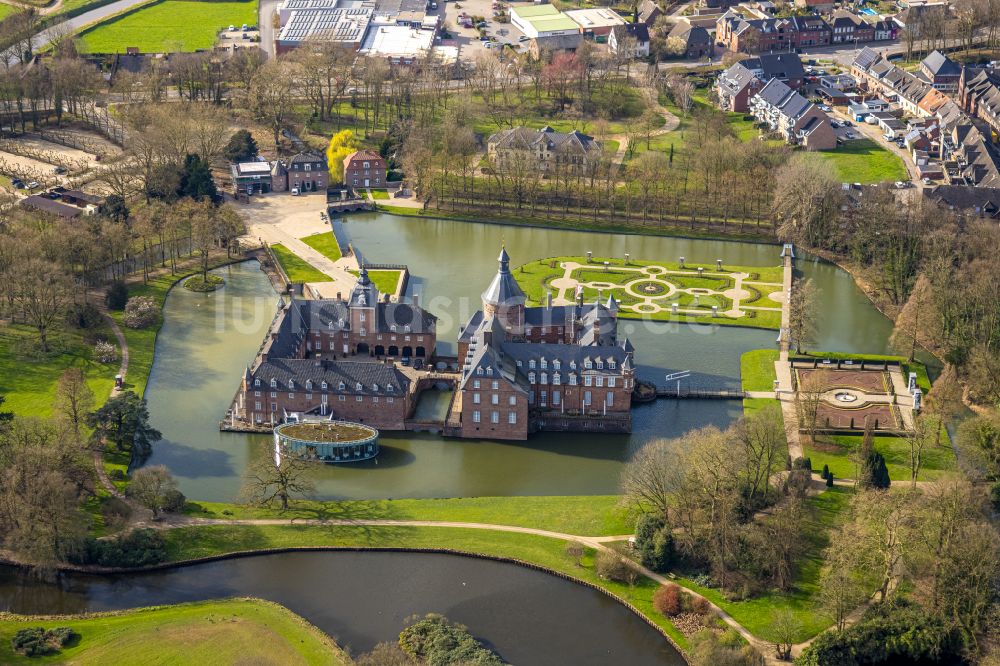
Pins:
x: 208, y: 339
x: 363, y: 598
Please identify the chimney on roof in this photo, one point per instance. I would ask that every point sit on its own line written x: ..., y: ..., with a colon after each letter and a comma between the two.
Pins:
x: 319, y: 360
x: 339, y: 298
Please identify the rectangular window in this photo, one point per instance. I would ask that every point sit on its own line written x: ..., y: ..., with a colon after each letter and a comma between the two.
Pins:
x: 588, y: 380
x: 358, y: 398
x: 611, y: 398
x: 274, y: 406
x: 256, y: 406
x: 611, y: 382
x: 389, y: 399
x: 475, y: 416
x: 374, y: 398
x: 511, y: 417
x: 256, y: 394
x: 475, y: 398
x: 556, y: 396
x: 475, y: 383
x: 274, y: 394
x: 494, y: 399
x: 494, y: 417
x: 291, y: 396
x: 512, y: 400
x: 341, y: 398
x: 496, y: 385
x: 600, y: 381
x: 586, y: 398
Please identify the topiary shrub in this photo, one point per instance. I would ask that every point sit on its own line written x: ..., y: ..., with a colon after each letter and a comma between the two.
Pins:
x: 826, y: 472
x: 141, y: 312
x: 116, y: 296
x: 829, y: 480
x: 668, y: 600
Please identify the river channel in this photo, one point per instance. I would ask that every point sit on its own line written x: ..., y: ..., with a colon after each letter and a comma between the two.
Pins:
x: 208, y: 339
x: 362, y: 598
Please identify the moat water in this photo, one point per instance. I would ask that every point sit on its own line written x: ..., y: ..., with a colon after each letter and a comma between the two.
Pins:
x: 208, y: 339
x: 361, y: 599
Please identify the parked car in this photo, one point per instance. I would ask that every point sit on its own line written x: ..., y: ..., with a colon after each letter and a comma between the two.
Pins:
x: 58, y: 170
x: 902, y: 185
x: 523, y: 38
x: 32, y: 185
x: 17, y: 183
x: 834, y: 124
x: 245, y: 27
x: 927, y: 181
x: 295, y: 191
x: 848, y: 123
x: 232, y: 28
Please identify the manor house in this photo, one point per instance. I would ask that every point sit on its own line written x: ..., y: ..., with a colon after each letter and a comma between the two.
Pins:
x: 336, y: 357
x: 527, y: 369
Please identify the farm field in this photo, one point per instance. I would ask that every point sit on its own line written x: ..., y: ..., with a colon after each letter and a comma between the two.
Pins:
x: 167, y: 26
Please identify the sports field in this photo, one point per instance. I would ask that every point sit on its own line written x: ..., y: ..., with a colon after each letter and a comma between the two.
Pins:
x: 169, y: 26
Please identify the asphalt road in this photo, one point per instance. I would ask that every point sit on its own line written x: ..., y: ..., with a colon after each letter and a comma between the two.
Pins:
x: 74, y: 24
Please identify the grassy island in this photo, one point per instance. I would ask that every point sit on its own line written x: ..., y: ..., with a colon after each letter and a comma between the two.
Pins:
x: 661, y: 291
x: 204, y: 283
x: 213, y: 632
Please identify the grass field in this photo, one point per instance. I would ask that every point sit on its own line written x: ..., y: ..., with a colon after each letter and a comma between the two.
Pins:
x: 297, y: 270
x: 246, y: 631
x: 189, y: 542
x: 864, y: 161
x: 597, y: 515
x: 384, y: 280
x: 169, y: 26
x: 757, y: 369
x: 325, y: 244
x: 28, y: 380
x: 835, y: 451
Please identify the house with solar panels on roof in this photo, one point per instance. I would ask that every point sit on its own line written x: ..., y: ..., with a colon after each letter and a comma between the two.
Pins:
x: 526, y: 369
x: 337, y: 358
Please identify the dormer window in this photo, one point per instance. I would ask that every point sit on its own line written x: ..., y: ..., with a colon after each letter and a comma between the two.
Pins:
x: 392, y: 328
x: 389, y: 388
x: 611, y: 364
x: 256, y: 382
x: 340, y: 322
x: 274, y: 383
x: 375, y: 388
x: 544, y: 363
x: 587, y: 364
x: 324, y: 386
x: 531, y: 378
x: 600, y: 364
x: 309, y: 385
x: 519, y: 363
x: 291, y: 384
x: 545, y: 378
x: 531, y: 364
x: 359, y: 386
x: 406, y: 329
x: 556, y: 364
x: 555, y: 379
x: 572, y: 365
x: 479, y: 370
x: 489, y: 371
x: 341, y: 386
x: 572, y: 379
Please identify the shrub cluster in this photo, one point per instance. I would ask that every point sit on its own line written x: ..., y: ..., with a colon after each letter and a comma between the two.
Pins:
x: 138, y: 548
x: 141, y: 312
x: 435, y: 640
x: 117, y: 295
x: 37, y: 641
x: 654, y: 542
x: 105, y: 352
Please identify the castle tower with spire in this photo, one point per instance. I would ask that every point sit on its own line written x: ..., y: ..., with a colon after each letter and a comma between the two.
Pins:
x: 504, y: 299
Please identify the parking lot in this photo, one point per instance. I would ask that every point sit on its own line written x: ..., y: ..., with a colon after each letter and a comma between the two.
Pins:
x: 468, y: 40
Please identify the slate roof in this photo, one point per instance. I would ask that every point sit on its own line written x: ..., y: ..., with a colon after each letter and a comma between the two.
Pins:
x: 504, y: 289
x: 690, y: 34
x: 939, y: 64
x: 525, y: 137
x: 374, y: 378
x: 779, y: 66
x: 980, y: 161
x: 788, y: 102
x: 866, y: 58
x: 637, y: 31
x: 307, y: 158
x: 46, y: 205
x: 648, y: 9
x: 983, y: 201
x: 736, y: 78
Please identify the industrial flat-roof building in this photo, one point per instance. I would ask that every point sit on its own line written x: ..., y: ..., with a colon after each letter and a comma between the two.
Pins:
x: 542, y: 21
x: 338, y: 21
x: 598, y: 22
x: 401, y: 44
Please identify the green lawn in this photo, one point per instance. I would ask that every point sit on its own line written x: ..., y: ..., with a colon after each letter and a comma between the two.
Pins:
x: 28, y: 380
x: 213, y: 632
x: 864, y: 161
x: 6, y: 10
x: 758, y: 614
x: 757, y: 369
x: 297, y: 269
x: 324, y: 243
x: 834, y: 451
x: 385, y: 280
x: 597, y: 515
x: 167, y: 27
x: 380, y: 194
x: 191, y: 542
